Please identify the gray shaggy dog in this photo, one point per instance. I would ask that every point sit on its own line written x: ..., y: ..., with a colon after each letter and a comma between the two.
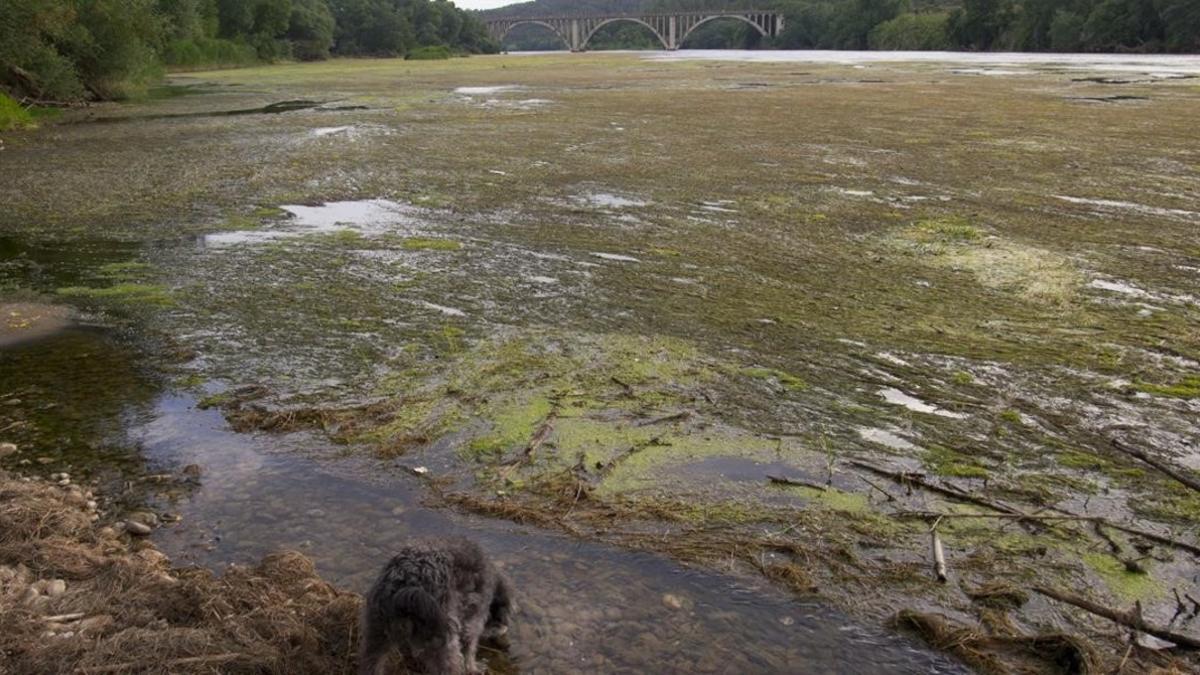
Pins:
x: 433, y: 602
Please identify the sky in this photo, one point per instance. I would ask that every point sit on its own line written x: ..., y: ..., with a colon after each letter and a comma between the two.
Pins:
x: 483, y: 4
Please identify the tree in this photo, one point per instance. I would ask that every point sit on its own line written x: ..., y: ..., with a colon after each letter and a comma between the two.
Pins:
x: 1122, y: 25
x: 1181, y: 24
x: 912, y: 31
x: 310, y: 30
x: 980, y: 23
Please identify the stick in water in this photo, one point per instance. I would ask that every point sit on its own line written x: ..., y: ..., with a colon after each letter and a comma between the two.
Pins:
x: 939, y: 556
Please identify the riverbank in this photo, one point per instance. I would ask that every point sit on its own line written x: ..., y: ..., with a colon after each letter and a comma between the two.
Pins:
x: 461, y: 295
x: 80, y: 596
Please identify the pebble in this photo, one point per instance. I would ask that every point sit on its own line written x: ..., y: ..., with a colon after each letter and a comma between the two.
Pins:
x: 143, y: 517
x: 136, y: 528
x: 92, y: 505
x: 7, y: 449
x: 56, y: 588
x: 672, y: 601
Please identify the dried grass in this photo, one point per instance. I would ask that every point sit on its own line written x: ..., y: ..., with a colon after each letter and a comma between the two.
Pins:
x: 276, y: 617
x: 1046, y: 653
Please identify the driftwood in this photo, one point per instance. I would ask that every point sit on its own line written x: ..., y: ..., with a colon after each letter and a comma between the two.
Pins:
x: 539, y: 437
x: 908, y: 477
x: 939, y: 556
x: 1131, y: 619
x: 1173, y: 471
x: 783, y: 480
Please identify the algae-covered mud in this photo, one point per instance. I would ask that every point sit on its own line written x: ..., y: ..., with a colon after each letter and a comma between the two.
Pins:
x: 775, y: 320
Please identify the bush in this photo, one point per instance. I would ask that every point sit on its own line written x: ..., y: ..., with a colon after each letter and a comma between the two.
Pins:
x: 13, y: 115
x: 204, y: 52
x: 430, y: 53
x: 921, y: 32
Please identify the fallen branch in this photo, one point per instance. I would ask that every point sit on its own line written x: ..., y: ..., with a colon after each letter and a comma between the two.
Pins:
x: 1165, y: 467
x: 539, y: 437
x: 783, y: 480
x: 634, y: 449
x: 908, y: 477
x: 1130, y: 619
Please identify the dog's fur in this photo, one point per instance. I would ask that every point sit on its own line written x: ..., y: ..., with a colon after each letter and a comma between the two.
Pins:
x: 433, y: 602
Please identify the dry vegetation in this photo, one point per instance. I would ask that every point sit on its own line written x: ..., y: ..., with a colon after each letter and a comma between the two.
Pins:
x: 80, y: 598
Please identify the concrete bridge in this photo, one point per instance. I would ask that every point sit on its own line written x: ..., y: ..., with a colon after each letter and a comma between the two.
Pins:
x: 671, y: 28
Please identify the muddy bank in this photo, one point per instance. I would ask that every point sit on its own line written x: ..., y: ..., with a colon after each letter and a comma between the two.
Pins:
x: 23, y: 321
x: 224, y: 497
x: 76, y: 596
x: 486, y: 275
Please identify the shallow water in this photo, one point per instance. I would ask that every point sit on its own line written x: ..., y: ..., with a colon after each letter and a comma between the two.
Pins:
x: 581, y: 606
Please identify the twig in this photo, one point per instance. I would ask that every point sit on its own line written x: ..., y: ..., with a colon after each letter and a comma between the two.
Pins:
x: 1130, y: 619
x: 64, y: 618
x: 143, y: 665
x: 624, y: 385
x: 885, y: 493
x: 539, y: 437
x: 667, y: 418
x: 634, y: 449
x: 1121, y: 665
x: 939, y: 556
x: 783, y: 480
x: 1172, y: 471
x: 904, y: 477
x: 1112, y: 543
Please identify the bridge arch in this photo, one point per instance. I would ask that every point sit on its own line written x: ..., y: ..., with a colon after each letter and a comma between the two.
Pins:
x: 602, y: 24
x: 714, y: 17
x: 566, y: 40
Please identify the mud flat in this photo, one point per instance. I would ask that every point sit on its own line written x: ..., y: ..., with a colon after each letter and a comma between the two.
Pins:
x: 602, y: 323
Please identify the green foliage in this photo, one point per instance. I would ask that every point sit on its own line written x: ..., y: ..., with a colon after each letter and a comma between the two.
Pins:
x: 1019, y: 25
x: 912, y: 32
x: 70, y: 50
x: 311, y: 30
x: 13, y: 115
x: 396, y: 27
x: 431, y: 53
x: 205, y: 52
